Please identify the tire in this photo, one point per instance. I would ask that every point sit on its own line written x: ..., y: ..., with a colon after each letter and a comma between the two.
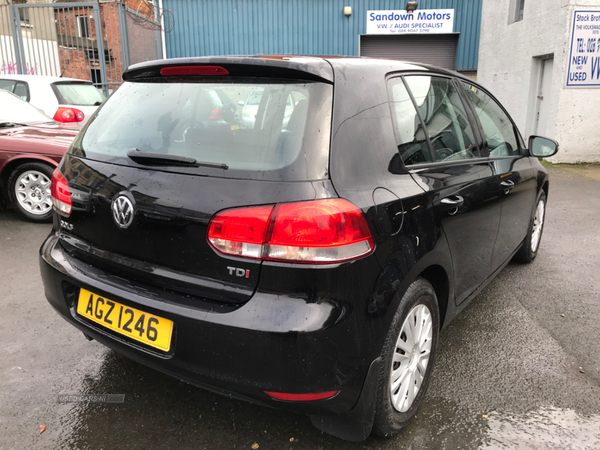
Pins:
x: 530, y: 247
x: 390, y: 418
x: 29, y: 191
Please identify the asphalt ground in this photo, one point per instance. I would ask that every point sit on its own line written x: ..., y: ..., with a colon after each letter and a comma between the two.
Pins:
x: 518, y: 369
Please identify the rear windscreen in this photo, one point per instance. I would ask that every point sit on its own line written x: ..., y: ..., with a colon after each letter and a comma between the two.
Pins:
x: 271, y: 130
x: 79, y: 94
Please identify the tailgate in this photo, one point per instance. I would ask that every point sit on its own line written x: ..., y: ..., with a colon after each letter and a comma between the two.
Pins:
x: 165, y: 245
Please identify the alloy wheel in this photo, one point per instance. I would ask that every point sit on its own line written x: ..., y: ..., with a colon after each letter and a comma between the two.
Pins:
x: 32, y: 191
x: 538, y: 223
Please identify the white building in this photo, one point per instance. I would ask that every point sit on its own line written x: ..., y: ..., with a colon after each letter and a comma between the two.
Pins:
x: 541, y: 58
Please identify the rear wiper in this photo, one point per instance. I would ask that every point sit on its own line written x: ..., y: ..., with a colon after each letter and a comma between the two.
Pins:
x: 11, y: 124
x: 169, y: 160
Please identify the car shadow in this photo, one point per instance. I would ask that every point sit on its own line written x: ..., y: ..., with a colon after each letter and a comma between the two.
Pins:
x: 161, y: 412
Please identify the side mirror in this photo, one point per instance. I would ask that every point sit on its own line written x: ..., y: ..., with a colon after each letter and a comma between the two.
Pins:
x: 241, y: 102
x: 542, y: 147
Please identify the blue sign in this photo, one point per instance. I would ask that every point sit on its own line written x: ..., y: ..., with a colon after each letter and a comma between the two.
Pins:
x: 401, y: 22
x: 583, y: 69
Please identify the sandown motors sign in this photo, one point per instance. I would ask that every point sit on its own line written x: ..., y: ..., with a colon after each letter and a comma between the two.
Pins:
x: 401, y: 22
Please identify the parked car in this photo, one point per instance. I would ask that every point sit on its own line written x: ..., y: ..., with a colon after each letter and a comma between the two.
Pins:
x: 308, y: 267
x: 63, y: 99
x: 31, y: 146
x: 250, y: 109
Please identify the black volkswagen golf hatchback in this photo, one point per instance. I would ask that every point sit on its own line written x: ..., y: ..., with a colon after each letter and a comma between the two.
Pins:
x: 291, y: 231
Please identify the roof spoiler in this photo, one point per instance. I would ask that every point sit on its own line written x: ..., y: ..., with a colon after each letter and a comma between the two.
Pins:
x: 308, y: 69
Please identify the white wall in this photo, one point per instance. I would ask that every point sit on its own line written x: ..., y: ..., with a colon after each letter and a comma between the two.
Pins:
x: 41, y: 56
x: 578, y: 115
x: 509, y: 68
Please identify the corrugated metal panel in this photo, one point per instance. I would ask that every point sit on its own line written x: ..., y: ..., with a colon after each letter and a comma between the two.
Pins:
x: 308, y: 27
x: 439, y: 50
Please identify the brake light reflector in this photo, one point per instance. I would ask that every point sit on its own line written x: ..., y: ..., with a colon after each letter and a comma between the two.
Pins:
x: 216, y: 114
x: 66, y: 115
x: 301, y: 397
x: 61, y: 195
x: 193, y: 70
x: 317, y: 232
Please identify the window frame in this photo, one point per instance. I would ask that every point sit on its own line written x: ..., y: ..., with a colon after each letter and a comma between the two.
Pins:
x: 475, y: 126
x: 518, y: 138
x: 24, y: 17
x: 515, y: 14
x: 87, y: 26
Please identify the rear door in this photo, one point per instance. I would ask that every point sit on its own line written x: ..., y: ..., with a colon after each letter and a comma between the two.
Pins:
x: 445, y: 155
x: 514, y: 178
x: 146, y: 221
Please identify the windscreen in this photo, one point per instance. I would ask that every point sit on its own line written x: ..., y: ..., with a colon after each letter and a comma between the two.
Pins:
x: 19, y: 111
x: 79, y: 94
x: 272, y: 130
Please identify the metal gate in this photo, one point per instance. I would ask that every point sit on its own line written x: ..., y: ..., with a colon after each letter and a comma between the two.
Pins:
x: 83, y: 40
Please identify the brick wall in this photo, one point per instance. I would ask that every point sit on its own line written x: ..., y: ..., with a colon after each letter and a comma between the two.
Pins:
x: 77, y: 55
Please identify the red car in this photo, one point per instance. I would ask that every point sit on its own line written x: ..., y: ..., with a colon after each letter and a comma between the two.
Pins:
x: 31, y: 146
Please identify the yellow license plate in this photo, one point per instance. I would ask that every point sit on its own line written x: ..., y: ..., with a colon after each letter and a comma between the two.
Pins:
x: 141, y: 326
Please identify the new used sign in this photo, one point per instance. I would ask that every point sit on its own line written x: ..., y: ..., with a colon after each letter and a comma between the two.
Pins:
x: 401, y: 22
x: 583, y: 69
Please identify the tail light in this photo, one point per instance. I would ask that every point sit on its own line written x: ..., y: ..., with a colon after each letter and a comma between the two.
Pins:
x: 61, y: 195
x: 216, y: 114
x: 68, y: 115
x: 315, y: 232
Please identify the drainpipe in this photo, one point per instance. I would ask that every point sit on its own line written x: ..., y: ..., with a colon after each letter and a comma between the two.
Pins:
x: 162, y: 29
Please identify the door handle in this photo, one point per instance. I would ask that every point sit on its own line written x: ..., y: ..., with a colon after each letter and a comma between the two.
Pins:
x: 452, y: 203
x: 507, y: 185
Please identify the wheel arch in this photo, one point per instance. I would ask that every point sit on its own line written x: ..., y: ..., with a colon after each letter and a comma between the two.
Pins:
x: 435, y: 267
x: 438, y: 278
x: 542, y: 180
x: 16, y: 161
x: 545, y: 187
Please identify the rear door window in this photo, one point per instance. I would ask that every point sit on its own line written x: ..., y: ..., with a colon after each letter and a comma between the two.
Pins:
x: 271, y: 130
x: 19, y: 88
x: 443, y: 113
x: 7, y: 85
x: 78, y: 94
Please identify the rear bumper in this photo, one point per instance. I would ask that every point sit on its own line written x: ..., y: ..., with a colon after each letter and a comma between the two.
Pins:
x: 273, y: 342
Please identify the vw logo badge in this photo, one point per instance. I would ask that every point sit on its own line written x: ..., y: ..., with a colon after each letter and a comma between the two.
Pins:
x: 122, y: 210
